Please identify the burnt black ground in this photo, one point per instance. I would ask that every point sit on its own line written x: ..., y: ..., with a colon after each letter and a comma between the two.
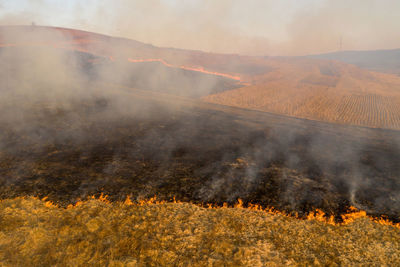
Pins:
x: 90, y: 137
x: 142, y: 144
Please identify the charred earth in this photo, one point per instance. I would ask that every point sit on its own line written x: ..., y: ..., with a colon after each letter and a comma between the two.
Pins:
x: 73, y: 124
x: 127, y: 142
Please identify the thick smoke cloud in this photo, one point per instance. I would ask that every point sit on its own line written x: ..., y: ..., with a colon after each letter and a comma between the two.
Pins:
x: 346, y: 25
x: 41, y: 81
x: 245, y: 27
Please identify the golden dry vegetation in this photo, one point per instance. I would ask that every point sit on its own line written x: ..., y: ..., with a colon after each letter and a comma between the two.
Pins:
x: 36, y: 233
x: 327, y: 91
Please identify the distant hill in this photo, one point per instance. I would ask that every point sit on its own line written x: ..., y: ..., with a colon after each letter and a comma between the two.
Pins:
x: 319, y: 87
x: 377, y: 60
x: 121, y: 49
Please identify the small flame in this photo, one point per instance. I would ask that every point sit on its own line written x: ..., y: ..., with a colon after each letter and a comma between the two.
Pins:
x: 67, y: 46
x: 318, y: 215
x: 48, y: 203
x: 128, y: 201
x: 197, y: 69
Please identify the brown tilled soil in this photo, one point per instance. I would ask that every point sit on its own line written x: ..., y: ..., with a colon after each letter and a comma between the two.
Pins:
x: 325, y: 91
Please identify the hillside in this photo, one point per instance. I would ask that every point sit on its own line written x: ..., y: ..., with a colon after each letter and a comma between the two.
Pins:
x: 84, y: 116
x: 74, y: 124
x: 180, y: 234
x: 310, y: 88
x: 126, y: 50
x: 322, y: 90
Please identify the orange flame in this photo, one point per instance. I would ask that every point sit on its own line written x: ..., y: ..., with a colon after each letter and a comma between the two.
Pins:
x: 317, y: 215
x: 197, y: 69
x: 68, y: 46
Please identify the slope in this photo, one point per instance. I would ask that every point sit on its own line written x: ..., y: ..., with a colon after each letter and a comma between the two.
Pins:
x: 321, y: 90
x: 306, y: 88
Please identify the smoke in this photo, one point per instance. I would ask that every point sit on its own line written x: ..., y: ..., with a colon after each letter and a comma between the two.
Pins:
x: 355, y: 25
x: 45, y: 85
x: 250, y: 28
x: 72, y: 125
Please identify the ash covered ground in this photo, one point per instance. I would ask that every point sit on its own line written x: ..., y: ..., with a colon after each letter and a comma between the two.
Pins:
x: 79, y: 137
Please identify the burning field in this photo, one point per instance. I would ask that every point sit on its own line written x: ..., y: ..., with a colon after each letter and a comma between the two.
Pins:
x: 75, y: 124
x: 96, y: 232
x: 134, y: 143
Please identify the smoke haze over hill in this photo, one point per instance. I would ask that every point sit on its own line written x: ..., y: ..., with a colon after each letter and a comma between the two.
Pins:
x: 254, y: 28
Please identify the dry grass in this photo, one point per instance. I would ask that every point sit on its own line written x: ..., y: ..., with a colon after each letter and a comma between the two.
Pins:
x: 34, y: 233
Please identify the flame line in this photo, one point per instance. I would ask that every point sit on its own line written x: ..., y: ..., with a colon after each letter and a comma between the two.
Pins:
x: 160, y: 60
x: 198, y: 69
x: 317, y: 215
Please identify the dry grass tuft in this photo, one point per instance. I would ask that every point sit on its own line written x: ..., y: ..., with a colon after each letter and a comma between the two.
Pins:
x: 36, y: 233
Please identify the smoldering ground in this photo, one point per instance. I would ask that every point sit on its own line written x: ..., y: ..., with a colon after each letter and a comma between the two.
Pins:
x: 70, y: 130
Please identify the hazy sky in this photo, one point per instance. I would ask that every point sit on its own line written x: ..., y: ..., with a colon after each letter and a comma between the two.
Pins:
x: 254, y: 27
